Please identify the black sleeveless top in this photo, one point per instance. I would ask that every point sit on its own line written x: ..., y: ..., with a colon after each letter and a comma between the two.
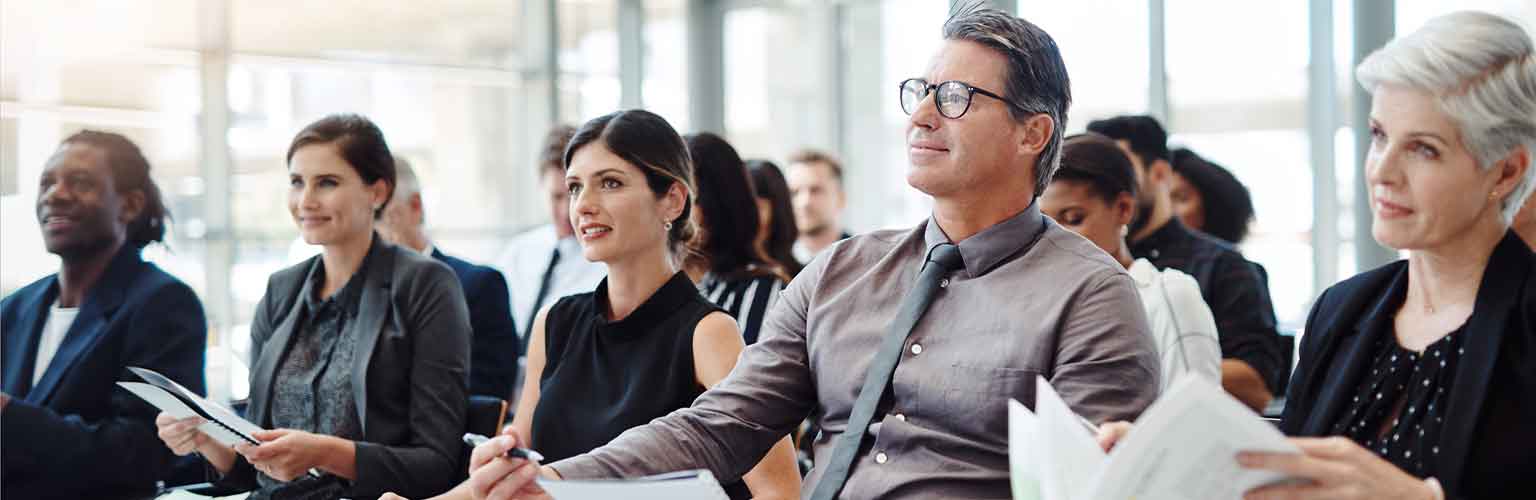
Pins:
x: 603, y: 377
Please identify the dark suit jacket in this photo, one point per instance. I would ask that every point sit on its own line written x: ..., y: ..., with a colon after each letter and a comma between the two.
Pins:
x: 1489, y: 432
x: 408, y: 377
x: 76, y: 434
x: 493, y: 352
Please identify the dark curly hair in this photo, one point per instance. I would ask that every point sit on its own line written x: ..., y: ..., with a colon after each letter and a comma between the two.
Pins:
x: 1228, y: 206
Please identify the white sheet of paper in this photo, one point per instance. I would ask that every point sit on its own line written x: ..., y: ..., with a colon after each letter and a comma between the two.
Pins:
x: 1024, y: 453
x: 1185, y: 446
x: 1075, y: 456
x: 688, y: 485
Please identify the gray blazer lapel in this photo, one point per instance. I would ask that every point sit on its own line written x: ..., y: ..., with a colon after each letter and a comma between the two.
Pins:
x: 271, y: 351
x: 373, y: 309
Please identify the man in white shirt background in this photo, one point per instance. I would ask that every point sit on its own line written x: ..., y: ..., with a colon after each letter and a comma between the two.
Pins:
x: 1094, y: 194
x: 816, y: 192
x: 545, y: 263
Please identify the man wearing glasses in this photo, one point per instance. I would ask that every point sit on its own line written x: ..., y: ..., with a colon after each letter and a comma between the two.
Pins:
x: 907, y: 344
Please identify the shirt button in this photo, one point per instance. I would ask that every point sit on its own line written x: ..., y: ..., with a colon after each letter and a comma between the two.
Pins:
x: 944, y: 283
x: 917, y: 349
x: 880, y: 458
x: 901, y: 417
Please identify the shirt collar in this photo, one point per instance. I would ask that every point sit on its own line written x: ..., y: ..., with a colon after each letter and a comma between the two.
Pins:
x: 989, y: 248
x: 351, y: 295
x: 1171, y: 232
x: 1143, y: 272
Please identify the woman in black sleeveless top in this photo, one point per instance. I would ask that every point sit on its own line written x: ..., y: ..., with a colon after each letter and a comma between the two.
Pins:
x: 645, y: 343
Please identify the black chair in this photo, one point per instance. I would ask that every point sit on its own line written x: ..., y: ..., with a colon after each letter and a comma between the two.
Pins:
x: 486, y: 416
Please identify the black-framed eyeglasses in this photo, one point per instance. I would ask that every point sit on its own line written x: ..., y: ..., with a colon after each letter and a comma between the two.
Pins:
x: 952, y: 100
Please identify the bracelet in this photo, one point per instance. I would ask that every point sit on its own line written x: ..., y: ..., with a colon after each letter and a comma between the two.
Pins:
x: 1436, y: 491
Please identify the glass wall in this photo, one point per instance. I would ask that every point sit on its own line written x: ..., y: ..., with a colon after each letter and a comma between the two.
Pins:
x: 465, y: 90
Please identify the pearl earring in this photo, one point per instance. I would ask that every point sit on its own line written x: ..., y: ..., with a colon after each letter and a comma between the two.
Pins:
x: 668, y: 226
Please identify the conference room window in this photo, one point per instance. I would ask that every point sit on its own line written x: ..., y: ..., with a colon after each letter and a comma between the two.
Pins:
x: 589, y: 59
x: 1104, y: 45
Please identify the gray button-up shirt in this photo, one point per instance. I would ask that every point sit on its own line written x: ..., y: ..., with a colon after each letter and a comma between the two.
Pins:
x: 1033, y: 299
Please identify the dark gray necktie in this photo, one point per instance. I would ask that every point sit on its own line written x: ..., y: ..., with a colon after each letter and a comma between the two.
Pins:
x: 941, y: 260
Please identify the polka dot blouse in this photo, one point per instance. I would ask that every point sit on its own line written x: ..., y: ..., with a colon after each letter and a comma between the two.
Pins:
x: 1398, y: 410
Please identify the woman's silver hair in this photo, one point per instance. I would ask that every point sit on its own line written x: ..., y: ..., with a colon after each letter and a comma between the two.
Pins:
x: 1482, y: 70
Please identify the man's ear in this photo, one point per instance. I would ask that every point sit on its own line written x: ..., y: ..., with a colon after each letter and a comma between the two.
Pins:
x: 133, y: 205
x: 1038, y: 129
x: 1160, y: 172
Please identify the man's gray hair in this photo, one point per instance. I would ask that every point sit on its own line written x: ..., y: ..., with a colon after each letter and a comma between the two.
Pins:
x: 406, y: 182
x: 1036, y: 77
x: 1482, y: 70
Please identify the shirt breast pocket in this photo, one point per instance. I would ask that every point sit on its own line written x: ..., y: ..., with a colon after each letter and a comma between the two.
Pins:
x: 982, y: 393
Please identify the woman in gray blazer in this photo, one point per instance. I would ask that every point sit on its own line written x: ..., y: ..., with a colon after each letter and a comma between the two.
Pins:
x: 359, y: 355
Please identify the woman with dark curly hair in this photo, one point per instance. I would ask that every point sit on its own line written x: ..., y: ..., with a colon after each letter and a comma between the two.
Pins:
x: 1208, y: 198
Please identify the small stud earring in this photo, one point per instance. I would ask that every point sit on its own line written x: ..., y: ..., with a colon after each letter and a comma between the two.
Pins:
x: 668, y: 226
x: 1493, y: 196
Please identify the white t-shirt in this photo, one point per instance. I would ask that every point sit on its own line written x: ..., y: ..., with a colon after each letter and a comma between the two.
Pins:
x: 1181, y: 323
x: 524, y: 262
x: 59, y: 321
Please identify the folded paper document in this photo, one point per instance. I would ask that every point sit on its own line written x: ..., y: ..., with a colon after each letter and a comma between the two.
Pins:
x: 686, y: 485
x: 1184, y: 446
x: 220, y: 423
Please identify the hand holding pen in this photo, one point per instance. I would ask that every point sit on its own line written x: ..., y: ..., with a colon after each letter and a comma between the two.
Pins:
x: 501, y: 469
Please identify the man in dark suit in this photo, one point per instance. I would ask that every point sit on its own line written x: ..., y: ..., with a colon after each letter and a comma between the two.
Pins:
x: 493, y: 352
x: 69, y: 432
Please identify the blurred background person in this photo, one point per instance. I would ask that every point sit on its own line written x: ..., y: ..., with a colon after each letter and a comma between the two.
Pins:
x: 776, y: 229
x: 1094, y: 194
x: 816, y: 184
x: 545, y: 263
x: 359, y: 356
x: 726, y: 262
x: 495, y: 346
x: 1235, y: 289
x: 645, y: 343
x: 69, y: 431
x: 1208, y: 198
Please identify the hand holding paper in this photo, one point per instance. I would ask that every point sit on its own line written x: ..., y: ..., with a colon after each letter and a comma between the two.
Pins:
x: 1184, y: 446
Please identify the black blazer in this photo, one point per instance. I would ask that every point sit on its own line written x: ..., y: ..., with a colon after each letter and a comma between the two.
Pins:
x: 76, y: 434
x: 493, y: 351
x: 1489, y: 432
x: 409, y: 377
